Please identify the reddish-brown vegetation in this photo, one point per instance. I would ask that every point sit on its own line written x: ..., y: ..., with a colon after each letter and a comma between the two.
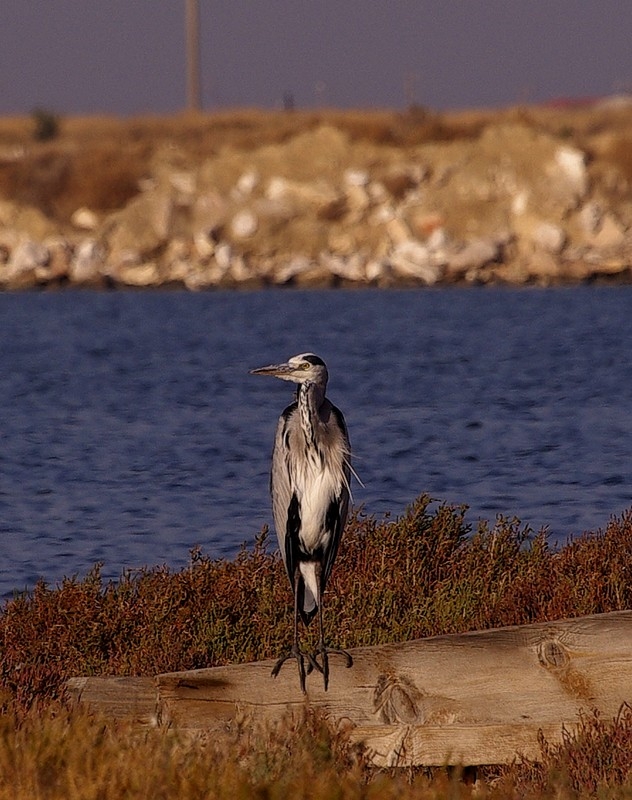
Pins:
x: 421, y: 575
x: 425, y: 573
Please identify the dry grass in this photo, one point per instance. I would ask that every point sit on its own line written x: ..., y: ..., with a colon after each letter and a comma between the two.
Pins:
x: 423, y: 574
x: 596, y: 761
x: 59, y: 755
x: 99, y: 161
x: 62, y: 756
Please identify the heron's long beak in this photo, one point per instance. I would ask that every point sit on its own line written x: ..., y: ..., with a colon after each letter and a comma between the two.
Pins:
x: 276, y: 370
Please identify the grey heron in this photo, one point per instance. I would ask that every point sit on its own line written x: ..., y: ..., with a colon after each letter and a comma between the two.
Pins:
x: 309, y: 485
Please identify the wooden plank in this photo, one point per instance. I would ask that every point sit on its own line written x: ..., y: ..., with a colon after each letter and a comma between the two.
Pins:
x: 133, y: 699
x: 475, y: 698
x: 446, y: 699
x: 466, y: 745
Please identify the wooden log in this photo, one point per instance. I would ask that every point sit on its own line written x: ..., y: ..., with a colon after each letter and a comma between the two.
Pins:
x: 474, y: 698
x: 133, y: 699
x: 465, y: 745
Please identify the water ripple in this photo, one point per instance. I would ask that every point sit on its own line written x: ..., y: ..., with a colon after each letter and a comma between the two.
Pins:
x: 131, y: 431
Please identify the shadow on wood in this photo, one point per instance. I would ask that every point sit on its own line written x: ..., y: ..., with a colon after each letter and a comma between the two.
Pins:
x: 473, y: 698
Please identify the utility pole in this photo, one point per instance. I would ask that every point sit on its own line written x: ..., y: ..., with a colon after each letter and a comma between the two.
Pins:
x: 193, y: 55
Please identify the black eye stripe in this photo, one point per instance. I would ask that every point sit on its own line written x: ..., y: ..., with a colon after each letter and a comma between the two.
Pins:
x: 314, y: 360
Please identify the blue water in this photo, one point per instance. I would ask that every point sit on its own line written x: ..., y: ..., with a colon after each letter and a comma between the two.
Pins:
x: 130, y: 430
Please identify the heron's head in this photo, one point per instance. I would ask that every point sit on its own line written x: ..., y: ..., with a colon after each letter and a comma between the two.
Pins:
x: 304, y: 368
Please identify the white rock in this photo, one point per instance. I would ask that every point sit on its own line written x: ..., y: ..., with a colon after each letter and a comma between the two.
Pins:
x: 590, y: 217
x: 86, y: 264
x: 358, y: 200
x: 275, y: 212
x: 611, y: 234
x: 375, y: 269
x: 27, y: 255
x: 139, y: 274
x: 519, y: 202
x: 398, y: 231
x: 197, y: 279
x: 178, y: 250
x: 381, y: 215
x: 548, y: 237
x: 437, y: 240
x: 223, y: 256
x: 244, y: 224
x: 204, y: 244
x: 278, y: 188
x: 183, y: 182
x: 295, y: 266
x: 119, y: 261
x: 349, y: 268
x: 341, y: 242
x: 85, y: 219
x: 412, y: 259
x: 543, y: 266
x: 247, y: 182
x: 143, y: 225
x: 239, y: 270
x: 179, y: 270
x: 209, y: 212
x: 476, y: 254
x: 572, y: 163
x: 356, y: 177
x: 318, y: 194
x: 58, y: 263
x: 377, y: 192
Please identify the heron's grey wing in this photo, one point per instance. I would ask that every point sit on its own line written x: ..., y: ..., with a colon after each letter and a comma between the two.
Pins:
x: 336, y: 517
x: 281, y: 490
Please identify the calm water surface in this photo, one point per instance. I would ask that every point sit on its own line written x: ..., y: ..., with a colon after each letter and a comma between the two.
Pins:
x: 130, y: 430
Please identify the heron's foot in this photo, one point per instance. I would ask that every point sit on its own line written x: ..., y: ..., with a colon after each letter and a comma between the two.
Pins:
x: 301, y: 658
x: 324, y: 652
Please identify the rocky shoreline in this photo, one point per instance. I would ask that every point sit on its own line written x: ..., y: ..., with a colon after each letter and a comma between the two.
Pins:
x: 513, y: 204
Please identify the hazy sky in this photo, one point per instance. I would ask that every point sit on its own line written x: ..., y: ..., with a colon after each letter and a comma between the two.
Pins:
x: 127, y: 56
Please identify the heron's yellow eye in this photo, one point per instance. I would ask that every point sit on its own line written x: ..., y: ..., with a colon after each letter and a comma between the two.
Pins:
x: 305, y: 365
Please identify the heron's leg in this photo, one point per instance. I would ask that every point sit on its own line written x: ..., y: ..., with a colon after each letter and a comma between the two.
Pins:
x: 321, y: 642
x: 323, y: 650
x: 295, y: 650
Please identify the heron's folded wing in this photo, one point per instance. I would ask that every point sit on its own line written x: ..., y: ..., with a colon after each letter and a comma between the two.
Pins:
x: 280, y: 484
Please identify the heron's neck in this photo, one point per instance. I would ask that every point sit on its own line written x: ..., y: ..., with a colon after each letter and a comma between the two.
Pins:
x: 310, y: 397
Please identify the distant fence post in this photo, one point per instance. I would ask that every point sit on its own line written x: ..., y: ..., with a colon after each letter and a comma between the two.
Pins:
x: 193, y: 55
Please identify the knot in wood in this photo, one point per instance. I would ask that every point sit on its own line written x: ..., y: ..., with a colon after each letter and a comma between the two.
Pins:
x: 397, y: 700
x: 552, y: 653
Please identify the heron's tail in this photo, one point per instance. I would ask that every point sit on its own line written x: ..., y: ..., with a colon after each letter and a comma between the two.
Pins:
x: 307, y: 601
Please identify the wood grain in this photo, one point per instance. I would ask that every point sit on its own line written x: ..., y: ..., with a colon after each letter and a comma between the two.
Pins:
x: 474, y: 698
x: 134, y: 699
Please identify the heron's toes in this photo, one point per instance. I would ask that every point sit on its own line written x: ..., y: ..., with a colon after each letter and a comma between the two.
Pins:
x: 300, y: 657
x: 312, y: 663
x: 277, y: 667
x: 324, y: 652
x: 327, y: 651
x: 346, y: 656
